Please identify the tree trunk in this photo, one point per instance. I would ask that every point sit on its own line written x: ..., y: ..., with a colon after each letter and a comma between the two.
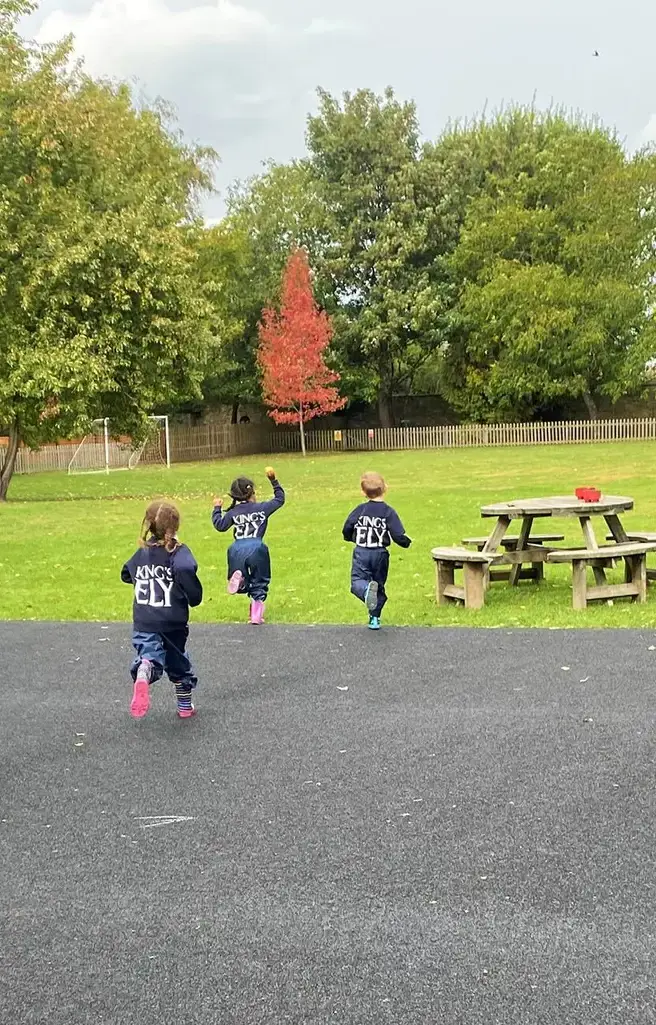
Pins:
x: 591, y: 406
x: 235, y: 412
x: 7, y: 471
x: 302, y: 426
x: 385, y: 406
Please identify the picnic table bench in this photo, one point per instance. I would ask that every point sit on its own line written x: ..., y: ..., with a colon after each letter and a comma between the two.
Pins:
x: 509, y: 543
x: 634, y: 554
x: 474, y: 565
x: 641, y: 535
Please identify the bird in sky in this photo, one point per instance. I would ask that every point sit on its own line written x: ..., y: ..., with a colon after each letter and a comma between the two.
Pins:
x: 596, y: 53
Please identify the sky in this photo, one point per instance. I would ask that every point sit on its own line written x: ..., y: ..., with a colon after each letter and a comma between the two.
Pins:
x: 243, y: 74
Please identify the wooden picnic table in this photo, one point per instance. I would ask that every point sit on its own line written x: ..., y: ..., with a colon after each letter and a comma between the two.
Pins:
x: 529, y: 509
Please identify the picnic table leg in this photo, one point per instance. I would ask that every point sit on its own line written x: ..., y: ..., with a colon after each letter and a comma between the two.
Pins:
x: 497, y: 535
x: 621, y: 537
x: 592, y: 545
x: 445, y: 572
x: 474, y: 585
x: 588, y: 533
x: 617, y: 530
x: 579, y: 585
x: 492, y: 544
x: 636, y: 567
x: 522, y: 544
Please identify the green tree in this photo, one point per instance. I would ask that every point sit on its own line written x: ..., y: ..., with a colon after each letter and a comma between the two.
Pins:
x: 242, y: 261
x: 383, y: 204
x: 224, y: 269
x: 100, y: 313
x: 554, y: 267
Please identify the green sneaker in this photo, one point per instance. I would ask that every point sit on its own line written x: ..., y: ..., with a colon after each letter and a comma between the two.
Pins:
x: 374, y: 623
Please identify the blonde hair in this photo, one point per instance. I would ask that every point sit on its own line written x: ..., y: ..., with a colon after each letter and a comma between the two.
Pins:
x: 160, y: 526
x: 373, y: 484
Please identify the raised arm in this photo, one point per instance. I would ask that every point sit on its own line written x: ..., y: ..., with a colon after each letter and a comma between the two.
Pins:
x: 278, y: 499
x: 185, y: 574
x: 396, y: 531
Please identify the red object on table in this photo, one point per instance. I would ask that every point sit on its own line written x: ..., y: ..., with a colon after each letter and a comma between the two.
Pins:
x: 588, y: 494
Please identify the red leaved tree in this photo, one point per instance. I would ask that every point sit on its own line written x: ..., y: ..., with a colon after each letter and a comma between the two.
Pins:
x: 297, y: 384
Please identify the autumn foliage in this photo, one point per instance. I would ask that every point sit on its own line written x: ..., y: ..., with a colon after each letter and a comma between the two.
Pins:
x: 297, y: 384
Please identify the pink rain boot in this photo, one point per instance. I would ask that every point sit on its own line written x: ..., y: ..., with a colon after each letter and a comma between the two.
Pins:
x: 257, y: 613
x: 235, y: 582
x: 141, y: 695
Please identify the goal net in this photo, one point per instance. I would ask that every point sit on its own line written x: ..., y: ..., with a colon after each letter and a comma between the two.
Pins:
x: 99, y: 452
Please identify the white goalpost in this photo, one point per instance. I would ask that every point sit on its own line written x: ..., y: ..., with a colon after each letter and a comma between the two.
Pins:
x: 99, y: 452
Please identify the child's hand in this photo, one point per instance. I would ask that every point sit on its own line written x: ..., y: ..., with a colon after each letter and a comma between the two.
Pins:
x: 218, y: 503
x: 270, y: 472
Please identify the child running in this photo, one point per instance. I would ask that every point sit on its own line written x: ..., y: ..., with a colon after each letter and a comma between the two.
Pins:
x: 164, y: 575
x: 249, y: 563
x: 372, y: 527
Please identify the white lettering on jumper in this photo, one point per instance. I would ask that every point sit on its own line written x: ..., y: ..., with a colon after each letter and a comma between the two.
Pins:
x: 153, y: 586
x: 370, y: 532
x: 247, y: 525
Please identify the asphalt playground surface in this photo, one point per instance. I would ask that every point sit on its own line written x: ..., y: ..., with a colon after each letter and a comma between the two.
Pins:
x: 416, y: 826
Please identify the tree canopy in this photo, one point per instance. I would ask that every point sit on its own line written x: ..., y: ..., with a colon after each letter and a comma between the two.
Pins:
x: 509, y: 264
x: 297, y: 383
x: 100, y: 310
x: 554, y: 266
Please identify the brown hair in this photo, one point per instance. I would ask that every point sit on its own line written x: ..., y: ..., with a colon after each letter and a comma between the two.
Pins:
x: 160, y: 525
x: 373, y: 485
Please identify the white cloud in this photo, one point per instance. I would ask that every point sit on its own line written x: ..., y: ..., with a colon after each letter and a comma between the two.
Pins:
x: 122, y: 37
x: 325, y: 27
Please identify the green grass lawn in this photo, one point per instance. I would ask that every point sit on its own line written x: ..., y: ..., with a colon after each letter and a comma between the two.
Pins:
x: 66, y: 538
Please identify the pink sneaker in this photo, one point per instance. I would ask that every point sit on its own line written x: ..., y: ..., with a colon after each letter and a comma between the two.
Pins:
x: 257, y: 613
x: 186, y: 713
x: 235, y: 582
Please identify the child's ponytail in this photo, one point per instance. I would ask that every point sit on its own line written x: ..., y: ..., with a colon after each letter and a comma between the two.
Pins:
x: 160, y: 526
x: 241, y: 490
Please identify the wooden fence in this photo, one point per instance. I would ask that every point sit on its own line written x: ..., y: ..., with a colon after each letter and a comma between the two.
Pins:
x: 387, y: 439
x: 209, y: 441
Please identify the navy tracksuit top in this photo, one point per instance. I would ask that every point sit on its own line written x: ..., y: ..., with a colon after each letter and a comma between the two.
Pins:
x: 375, y: 525
x: 249, y: 519
x: 165, y: 585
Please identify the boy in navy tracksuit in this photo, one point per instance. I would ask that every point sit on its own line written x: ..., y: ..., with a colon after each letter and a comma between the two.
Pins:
x: 372, y: 527
x: 163, y: 573
x: 249, y: 563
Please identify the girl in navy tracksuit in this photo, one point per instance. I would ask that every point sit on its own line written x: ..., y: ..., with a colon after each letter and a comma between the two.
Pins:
x: 249, y: 564
x: 372, y: 526
x: 163, y: 573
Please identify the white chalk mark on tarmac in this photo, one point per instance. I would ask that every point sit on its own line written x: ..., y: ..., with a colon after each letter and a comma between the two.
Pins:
x: 155, y: 821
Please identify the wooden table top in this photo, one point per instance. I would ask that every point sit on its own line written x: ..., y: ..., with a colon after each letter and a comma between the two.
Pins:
x: 558, y: 505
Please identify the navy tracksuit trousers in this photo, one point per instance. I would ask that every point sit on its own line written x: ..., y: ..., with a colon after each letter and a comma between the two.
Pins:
x: 370, y: 564
x: 251, y: 557
x: 168, y: 654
